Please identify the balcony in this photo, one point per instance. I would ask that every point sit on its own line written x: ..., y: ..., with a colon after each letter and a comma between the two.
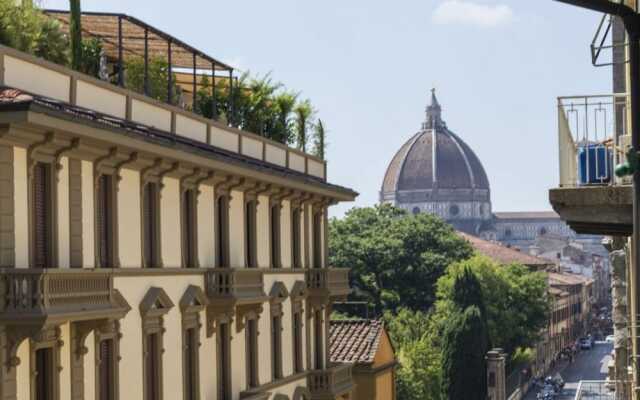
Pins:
x: 239, y: 286
x: 330, y: 383
x: 41, y: 296
x: 593, y: 139
x: 327, y: 283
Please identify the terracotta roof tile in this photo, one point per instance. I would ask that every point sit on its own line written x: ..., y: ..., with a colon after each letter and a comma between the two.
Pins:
x: 503, y: 254
x: 354, y: 341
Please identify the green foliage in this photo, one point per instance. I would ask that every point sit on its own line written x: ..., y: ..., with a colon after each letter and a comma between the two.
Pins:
x: 515, y: 299
x: 260, y: 105
x: 464, y: 346
x: 319, y: 143
x: 303, y: 114
x: 413, y: 336
x: 158, y: 78
x: 27, y: 29
x: 91, y: 54
x: 75, y: 33
x: 395, y: 258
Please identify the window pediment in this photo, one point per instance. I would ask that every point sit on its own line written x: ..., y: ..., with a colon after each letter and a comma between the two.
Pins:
x: 193, y: 299
x: 278, y: 293
x: 155, y: 303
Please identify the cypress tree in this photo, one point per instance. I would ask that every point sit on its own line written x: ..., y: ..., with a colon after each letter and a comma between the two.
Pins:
x: 467, y: 291
x: 464, y: 347
x: 75, y: 34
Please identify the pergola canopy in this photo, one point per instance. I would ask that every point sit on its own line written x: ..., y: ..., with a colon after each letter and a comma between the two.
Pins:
x: 108, y: 26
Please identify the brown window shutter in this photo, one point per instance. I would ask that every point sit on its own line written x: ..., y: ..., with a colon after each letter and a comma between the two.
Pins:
x: 41, y: 191
x: 44, y: 374
x: 106, y: 370
x: 104, y: 221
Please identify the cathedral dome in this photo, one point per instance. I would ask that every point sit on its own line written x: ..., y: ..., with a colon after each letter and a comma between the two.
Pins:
x: 438, y: 173
x: 434, y: 158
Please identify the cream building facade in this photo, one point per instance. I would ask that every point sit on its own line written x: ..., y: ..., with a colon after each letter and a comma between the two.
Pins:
x: 149, y: 253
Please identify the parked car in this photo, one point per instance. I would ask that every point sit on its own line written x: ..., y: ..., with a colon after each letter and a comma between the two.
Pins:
x: 586, y: 344
x: 609, y: 339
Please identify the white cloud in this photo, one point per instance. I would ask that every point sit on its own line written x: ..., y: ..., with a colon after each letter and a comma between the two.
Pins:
x: 470, y: 13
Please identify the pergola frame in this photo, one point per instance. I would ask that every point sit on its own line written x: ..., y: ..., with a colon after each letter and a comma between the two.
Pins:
x: 121, y: 34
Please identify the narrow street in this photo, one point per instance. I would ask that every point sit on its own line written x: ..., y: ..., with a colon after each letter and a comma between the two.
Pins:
x: 588, y: 365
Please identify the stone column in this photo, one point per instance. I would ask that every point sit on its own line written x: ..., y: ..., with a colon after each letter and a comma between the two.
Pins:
x: 618, y: 261
x: 496, y: 377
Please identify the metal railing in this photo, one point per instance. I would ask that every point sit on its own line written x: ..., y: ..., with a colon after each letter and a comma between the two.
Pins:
x: 592, y: 138
x: 596, y: 390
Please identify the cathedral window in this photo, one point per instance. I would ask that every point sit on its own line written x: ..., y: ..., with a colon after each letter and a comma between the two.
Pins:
x: 454, y: 210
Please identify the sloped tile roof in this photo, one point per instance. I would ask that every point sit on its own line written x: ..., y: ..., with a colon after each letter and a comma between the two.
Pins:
x: 354, y: 341
x: 503, y: 254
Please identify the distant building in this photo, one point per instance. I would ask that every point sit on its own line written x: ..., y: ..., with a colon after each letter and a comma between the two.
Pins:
x: 436, y: 172
x: 365, y: 344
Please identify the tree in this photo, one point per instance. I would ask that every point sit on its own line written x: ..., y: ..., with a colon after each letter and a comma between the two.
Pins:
x: 25, y: 28
x: 303, y: 113
x: 414, y: 338
x: 515, y: 298
x: 468, y: 292
x: 395, y: 258
x: 283, y: 130
x: 319, y: 145
x: 464, y: 346
x: 158, y: 71
x: 75, y: 34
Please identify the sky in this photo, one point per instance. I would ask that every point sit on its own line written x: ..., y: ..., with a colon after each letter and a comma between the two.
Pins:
x: 368, y: 67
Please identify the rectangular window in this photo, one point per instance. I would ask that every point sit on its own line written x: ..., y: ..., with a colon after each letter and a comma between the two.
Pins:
x: 44, y: 374
x: 297, y: 342
x: 106, y: 384
x: 251, y: 332
x: 295, y: 238
x: 319, y: 363
x: 150, y: 220
x: 191, y: 360
x: 152, y: 367
x: 42, y: 216
x: 104, y: 219
x: 224, y: 362
x: 317, y: 240
x: 276, y: 261
x: 250, y: 233
x: 189, y: 240
x: 276, y: 347
x: 222, y: 232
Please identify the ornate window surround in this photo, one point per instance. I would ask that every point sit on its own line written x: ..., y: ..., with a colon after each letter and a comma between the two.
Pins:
x: 192, y: 303
x: 155, y: 304
x: 47, y: 338
x: 110, y: 330
x: 277, y: 295
x: 298, y: 296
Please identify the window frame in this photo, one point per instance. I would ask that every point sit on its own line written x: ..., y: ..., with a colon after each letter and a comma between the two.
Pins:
x: 277, y: 295
x: 221, y: 227
x: 250, y: 231
x: 51, y: 205
x: 48, y: 339
x: 275, y: 234
x: 108, y: 332
x: 296, y: 233
x: 189, y: 226
x: 298, y: 296
x: 155, y: 304
x: 251, y: 330
x: 111, y: 219
x: 193, y: 302
x: 151, y: 186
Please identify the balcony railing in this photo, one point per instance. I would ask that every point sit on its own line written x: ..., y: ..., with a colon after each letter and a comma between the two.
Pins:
x: 331, y: 281
x: 37, y: 76
x: 237, y: 284
x: 55, y: 293
x: 334, y: 380
x: 593, y: 139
